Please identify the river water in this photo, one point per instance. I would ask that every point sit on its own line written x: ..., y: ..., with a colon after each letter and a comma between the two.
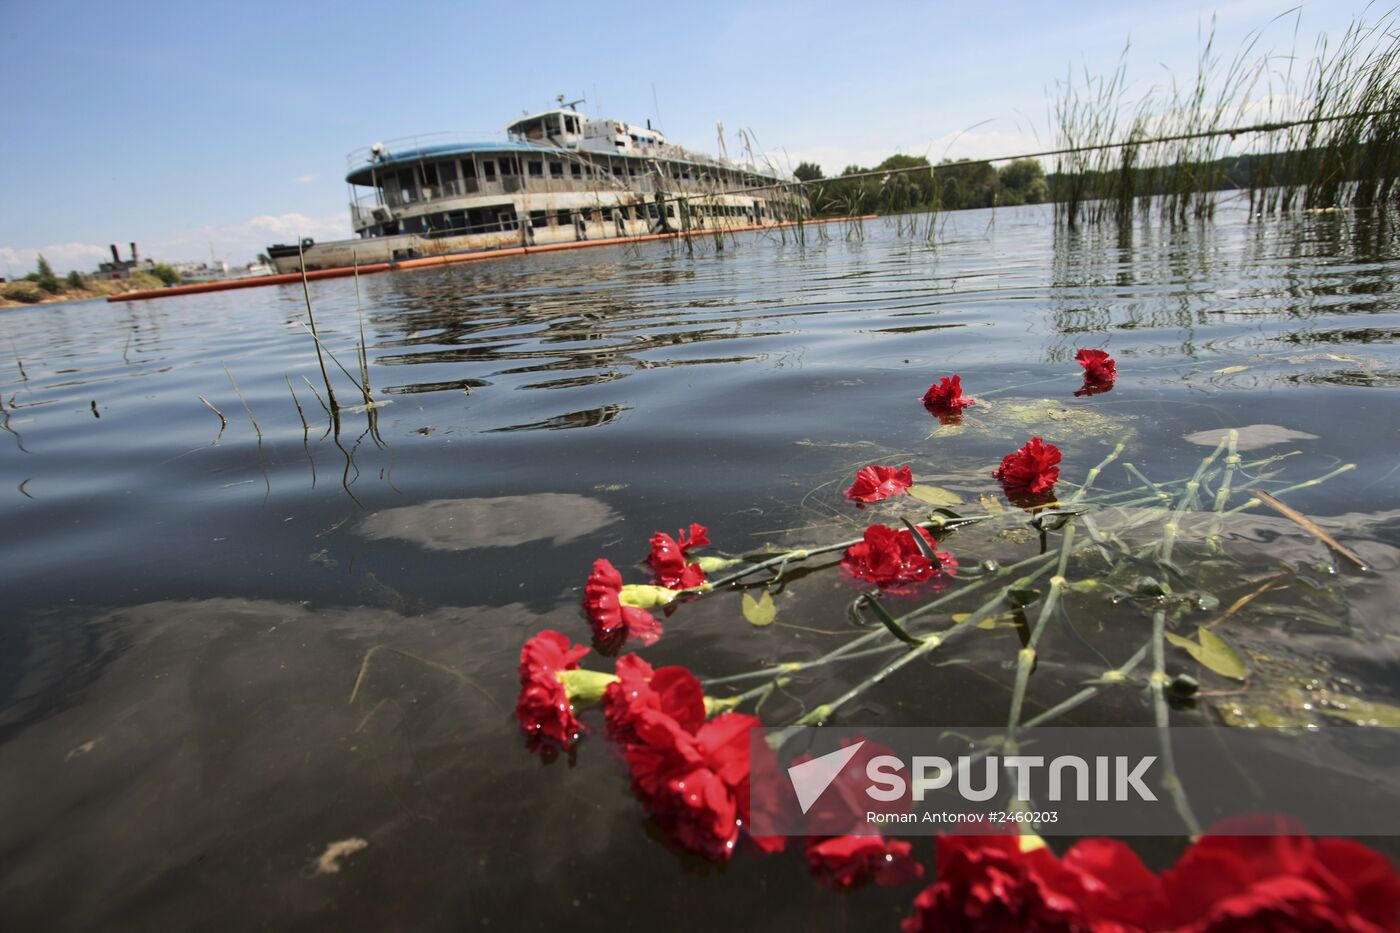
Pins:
x: 225, y: 649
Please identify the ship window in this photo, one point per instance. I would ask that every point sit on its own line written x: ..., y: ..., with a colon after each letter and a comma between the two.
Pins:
x: 539, y: 218
x: 468, y: 168
x: 556, y: 170
x: 509, y: 167
x: 616, y: 169
x: 488, y: 166
x: 536, y: 168
x: 631, y: 169
x: 575, y: 169
x: 561, y: 217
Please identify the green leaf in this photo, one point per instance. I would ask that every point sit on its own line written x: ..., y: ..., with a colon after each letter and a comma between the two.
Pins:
x: 889, y: 621
x: 921, y: 543
x: 760, y: 611
x: 933, y: 495
x: 1362, y: 712
x: 1022, y: 598
x: 1213, y: 652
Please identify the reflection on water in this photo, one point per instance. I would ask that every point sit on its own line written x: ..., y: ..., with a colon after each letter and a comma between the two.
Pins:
x: 227, y: 649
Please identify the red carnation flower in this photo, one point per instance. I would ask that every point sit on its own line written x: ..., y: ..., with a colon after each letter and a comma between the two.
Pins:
x: 667, y: 558
x: 945, y: 399
x: 613, y: 622
x: 1032, y: 469
x: 691, y: 775
x: 1279, y: 882
x: 874, y: 483
x: 1099, y: 367
x: 1092, y: 388
x: 891, y: 559
x: 543, y: 708
x: 638, y: 687
x: 989, y: 883
x: 851, y: 861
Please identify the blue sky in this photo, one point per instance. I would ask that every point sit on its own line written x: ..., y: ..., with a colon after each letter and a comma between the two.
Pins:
x: 175, y: 125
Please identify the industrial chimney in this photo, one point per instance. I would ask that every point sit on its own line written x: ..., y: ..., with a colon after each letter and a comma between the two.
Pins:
x: 134, y: 259
x: 116, y: 256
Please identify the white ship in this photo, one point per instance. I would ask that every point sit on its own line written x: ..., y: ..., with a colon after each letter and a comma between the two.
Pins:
x: 556, y: 177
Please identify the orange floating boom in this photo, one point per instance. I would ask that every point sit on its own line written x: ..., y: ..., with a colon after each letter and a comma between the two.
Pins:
x: 292, y: 278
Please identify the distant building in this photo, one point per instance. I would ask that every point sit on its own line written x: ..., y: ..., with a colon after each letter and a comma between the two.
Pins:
x: 120, y: 268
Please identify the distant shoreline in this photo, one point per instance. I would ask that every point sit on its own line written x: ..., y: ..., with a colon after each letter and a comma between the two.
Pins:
x: 92, y: 290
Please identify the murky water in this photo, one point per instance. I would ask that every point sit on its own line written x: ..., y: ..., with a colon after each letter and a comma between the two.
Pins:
x: 223, y: 652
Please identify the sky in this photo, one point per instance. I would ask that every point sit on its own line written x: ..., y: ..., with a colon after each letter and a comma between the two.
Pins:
x: 179, y: 125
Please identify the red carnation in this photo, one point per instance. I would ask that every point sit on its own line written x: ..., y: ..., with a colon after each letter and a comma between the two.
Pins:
x: 851, y: 861
x: 891, y: 559
x: 945, y: 399
x: 695, y: 785
x: 1032, y: 469
x: 874, y: 483
x: 667, y: 558
x: 639, y: 687
x: 611, y: 620
x: 1099, y: 367
x: 989, y: 883
x: 691, y: 775
x: 543, y: 708
x: 1280, y: 882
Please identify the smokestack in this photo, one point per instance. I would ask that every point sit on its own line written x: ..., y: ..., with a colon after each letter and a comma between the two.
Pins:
x: 116, y: 256
x: 134, y: 259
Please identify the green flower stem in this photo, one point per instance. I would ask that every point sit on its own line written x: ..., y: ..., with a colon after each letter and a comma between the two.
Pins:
x: 1189, y: 496
x: 1119, y: 675
x: 853, y: 648
x: 1232, y: 460
x: 930, y: 643
x: 794, y: 667
x: 1159, y: 683
x: 1025, y: 658
x: 1252, y: 503
x: 1093, y: 474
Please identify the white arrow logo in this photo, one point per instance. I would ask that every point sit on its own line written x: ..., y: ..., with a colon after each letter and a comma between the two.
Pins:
x: 811, y: 778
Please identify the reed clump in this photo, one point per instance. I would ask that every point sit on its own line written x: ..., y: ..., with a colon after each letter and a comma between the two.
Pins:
x: 1320, y: 137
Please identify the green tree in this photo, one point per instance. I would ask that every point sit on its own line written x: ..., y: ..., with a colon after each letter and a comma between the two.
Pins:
x: 808, y: 171
x: 166, y: 273
x: 1023, y: 182
x: 74, y: 280
x: 44, y: 277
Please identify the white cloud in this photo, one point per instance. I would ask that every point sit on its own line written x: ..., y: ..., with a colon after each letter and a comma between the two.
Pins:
x: 236, y: 242
x: 306, y: 179
x: 239, y: 242
x: 62, y: 256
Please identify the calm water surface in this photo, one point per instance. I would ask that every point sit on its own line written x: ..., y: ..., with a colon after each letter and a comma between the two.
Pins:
x: 187, y: 715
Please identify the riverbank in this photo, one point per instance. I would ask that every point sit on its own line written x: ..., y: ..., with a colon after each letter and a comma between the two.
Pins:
x: 91, y: 290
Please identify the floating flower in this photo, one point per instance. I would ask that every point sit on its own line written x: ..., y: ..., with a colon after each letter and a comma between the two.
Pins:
x: 1092, y: 388
x: 1015, y: 883
x: 1222, y: 882
x: 612, y: 620
x: 1099, y: 367
x: 891, y: 559
x: 544, y: 709
x: 874, y: 483
x: 1279, y: 882
x: 691, y: 775
x: 638, y: 687
x: 945, y: 399
x: 851, y: 861
x: 1032, y: 469
x: 668, y: 557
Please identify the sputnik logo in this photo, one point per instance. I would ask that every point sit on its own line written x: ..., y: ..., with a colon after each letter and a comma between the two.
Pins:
x: 811, y: 778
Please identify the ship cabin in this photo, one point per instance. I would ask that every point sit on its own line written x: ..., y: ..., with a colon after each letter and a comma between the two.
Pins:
x: 555, y: 177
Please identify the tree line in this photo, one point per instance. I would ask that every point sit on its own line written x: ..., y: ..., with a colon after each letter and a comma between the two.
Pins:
x: 949, y: 186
